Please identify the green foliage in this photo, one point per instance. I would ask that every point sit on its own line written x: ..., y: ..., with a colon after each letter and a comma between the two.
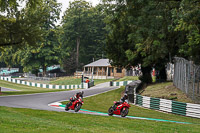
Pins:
x: 45, y: 51
x: 83, y: 34
x: 19, y: 26
x: 151, y: 32
x: 138, y: 32
x: 188, y: 23
x: 145, y: 32
x: 6, y: 5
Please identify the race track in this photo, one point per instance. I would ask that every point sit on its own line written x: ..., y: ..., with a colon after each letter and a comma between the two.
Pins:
x: 40, y: 101
x: 49, y: 101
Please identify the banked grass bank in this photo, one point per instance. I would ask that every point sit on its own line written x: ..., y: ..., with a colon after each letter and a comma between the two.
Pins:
x: 170, y: 106
x: 49, y: 86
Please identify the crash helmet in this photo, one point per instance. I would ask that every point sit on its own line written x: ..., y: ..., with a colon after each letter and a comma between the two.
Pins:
x: 81, y: 93
x: 125, y: 96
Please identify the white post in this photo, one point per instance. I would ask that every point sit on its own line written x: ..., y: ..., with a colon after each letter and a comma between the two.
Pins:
x: 92, y: 72
x: 97, y: 72
x: 101, y: 72
x: 107, y: 73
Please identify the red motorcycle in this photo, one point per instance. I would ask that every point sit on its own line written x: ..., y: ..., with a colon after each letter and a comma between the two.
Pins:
x: 121, y: 109
x: 76, y: 105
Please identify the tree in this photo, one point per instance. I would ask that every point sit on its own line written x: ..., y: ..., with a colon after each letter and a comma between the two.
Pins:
x: 47, y: 51
x: 139, y: 34
x: 83, y: 33
x: 75, y: 24
x: 187, y: 22
x: 16, y: 28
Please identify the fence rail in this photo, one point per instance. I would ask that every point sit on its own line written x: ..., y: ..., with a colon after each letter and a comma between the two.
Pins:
x: 187, y: 78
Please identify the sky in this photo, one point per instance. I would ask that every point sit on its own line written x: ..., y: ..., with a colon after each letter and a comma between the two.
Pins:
x: 65, y: 5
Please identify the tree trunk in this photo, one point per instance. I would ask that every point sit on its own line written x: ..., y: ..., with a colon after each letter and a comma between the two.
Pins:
x: 77, y: 51
x: 161, y: 75
x: 146, y: 75
x: 44, y: 70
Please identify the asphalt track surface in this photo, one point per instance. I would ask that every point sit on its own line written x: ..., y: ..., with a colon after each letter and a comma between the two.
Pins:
x: 40, y: 101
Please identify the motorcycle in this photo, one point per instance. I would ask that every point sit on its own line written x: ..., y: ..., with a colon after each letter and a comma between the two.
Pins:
x: 121, y: 109
x: 76, y: 105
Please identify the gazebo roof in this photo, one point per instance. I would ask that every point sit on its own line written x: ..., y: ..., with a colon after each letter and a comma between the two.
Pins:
x: 100, y: 62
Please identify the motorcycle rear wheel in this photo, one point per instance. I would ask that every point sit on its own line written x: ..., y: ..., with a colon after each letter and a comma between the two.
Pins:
x: 124, y: 112
x: 67, y: 107
x: 78, y: 107
x: 110, y: 111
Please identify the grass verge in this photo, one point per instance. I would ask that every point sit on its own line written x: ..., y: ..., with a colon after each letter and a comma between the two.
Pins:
x: 127, y: 78
x: 24, y: 89
x: 166, y: 90
x: 74, y: 80
x: 66, y: 81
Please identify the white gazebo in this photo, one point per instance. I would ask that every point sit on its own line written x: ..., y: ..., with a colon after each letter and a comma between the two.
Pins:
x: 102, y: 69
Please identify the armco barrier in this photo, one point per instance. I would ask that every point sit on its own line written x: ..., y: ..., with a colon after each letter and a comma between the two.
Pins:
x: 49, y: 86
x: 180, y: 108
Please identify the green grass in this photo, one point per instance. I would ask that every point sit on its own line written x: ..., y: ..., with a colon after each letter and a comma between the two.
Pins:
x: 127, y: 78
x: 24, y: 89
x: 99, y: 81
x: 166, y: 90
x: 27, y: 120
x: 66, y: 81
x: 37, y: 121
x: 76, y: 81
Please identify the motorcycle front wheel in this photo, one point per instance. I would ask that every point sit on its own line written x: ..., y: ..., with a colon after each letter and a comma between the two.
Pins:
x: 78, y: 107
x: 110, y: 111
x: 124, y: 112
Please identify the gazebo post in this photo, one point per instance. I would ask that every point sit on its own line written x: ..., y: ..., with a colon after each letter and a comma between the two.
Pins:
x: 107, y: 72
x: 97, y: 72
x: 101, y: 72
x: 92, y: 72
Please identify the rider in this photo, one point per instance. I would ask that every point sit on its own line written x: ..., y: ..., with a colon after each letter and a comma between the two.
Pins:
x: 122, y: 100
x: 76, y: 96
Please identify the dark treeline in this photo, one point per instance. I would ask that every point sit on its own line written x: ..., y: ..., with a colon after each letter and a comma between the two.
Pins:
x: 129, y: 32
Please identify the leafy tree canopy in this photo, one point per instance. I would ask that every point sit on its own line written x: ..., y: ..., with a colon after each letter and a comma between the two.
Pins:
x: 83, y: 33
